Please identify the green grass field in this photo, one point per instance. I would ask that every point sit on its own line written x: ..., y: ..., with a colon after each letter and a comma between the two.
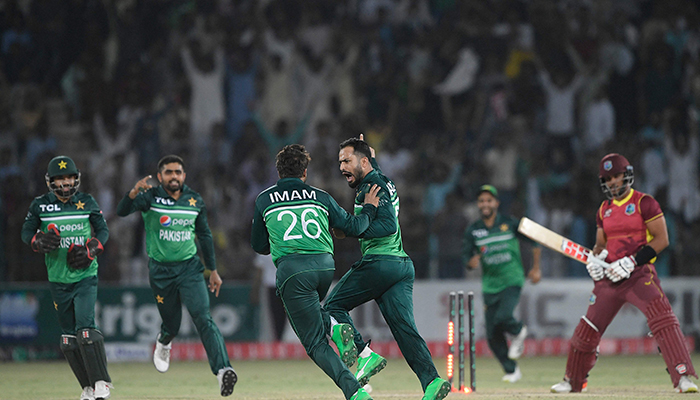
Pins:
x: 621, y: 377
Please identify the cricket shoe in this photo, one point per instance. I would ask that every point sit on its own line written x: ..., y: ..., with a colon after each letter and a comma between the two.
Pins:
x: 369, y: 366
x: 227, y: 380
x: 102, y: 390
x: 361, y: 394
x: 685, y: 385
x: 513, y: 376
x: 342, y: 336
x: 88, y: 393
x: 517, y: 345
x: 161, y: 355
x: 565, y: 387
x: 438, y: 389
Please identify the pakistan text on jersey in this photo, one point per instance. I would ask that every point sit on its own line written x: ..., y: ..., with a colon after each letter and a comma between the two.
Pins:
x: 69, y: 240
x: 500, y: 258
x: 175, y: 236
x: 295, y: 195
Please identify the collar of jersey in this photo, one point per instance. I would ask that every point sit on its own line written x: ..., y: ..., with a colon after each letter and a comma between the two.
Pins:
x: 496, y: 221
x: 164, y: 193
x: 625, y: 200
x: 287, y: 180
x: 53, y: 198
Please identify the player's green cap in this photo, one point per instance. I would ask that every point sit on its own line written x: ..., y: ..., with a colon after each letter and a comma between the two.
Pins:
x: 489, y: 189
x: 61, y: 165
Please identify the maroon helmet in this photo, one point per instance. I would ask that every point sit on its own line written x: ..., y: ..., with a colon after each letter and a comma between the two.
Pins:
x: 614, y: 164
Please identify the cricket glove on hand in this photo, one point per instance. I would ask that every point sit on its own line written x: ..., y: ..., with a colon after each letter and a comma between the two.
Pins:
x: 621, y: 269
x: 80, y: 257
x: 46, y: 242
x: 596, y: 271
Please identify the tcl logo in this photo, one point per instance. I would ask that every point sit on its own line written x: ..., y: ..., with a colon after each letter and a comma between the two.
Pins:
x: 50, y: 207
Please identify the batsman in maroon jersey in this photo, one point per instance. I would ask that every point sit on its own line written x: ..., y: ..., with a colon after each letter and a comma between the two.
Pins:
x: 631, y: 232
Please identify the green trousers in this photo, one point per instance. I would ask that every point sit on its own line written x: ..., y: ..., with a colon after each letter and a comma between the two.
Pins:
x: 499, y: 321
x: 75, y: 304
x: 302, y: 282
x: 175, y: 284
x: 388, y: 280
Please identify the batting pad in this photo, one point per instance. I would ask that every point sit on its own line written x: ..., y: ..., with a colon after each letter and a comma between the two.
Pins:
x: 582, y: 354
x: 668, y: 335
x: 92, y: 348
x: 71, y: 350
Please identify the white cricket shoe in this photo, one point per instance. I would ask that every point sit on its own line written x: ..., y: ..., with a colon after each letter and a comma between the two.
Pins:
x: 517, y: 345
x: 88, y: 393
x: 102, y: 390
x: 685, y: 385
x: 161, y: 355
x: 565, y: 387
x: 227, y: 380
x: 514, y: 376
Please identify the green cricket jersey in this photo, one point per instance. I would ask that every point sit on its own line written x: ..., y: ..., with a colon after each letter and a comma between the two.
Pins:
x: 292, y: 217
x: 172, y: 225
x: 383, y: 237
x: 501, y: 264
x: 75, y: 220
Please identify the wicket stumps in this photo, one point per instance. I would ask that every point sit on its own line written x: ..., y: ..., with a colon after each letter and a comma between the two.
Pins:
x: 457, y: 316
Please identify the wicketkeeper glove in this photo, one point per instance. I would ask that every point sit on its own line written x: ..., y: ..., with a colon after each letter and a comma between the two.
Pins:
x: 46, y: 242
x: 80, y: 257
x: 621, y: 269
x: 595, y: 270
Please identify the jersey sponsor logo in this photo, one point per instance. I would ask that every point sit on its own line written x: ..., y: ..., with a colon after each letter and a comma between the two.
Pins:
x: 681, y: 369
x: 607, y: 213
x: 480, y: 233
x: 50, y: 207
x: 175, y: 236
x: 51, y: 226
x: 164, y: 201
x: 484, y: 249
x: 607, y: 165
x: 629, y: 210
x: 68, y: 227
x: 290, y: 195
x: 165, y: 220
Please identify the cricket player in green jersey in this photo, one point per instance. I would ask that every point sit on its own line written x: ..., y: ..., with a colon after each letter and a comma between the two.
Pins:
x: 68, y: 227
x: 384, y: 274
x: 292, y: 221
x: 493, y: 242
x: 173, y: 215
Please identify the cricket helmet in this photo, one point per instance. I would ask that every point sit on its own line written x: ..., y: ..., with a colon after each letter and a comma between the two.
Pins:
x: 61, y: 166
x: 613, y: 164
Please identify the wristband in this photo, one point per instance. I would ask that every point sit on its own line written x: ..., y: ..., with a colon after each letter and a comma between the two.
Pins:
x: 644, y: 255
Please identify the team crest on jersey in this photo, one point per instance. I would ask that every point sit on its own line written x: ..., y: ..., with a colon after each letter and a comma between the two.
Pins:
x: 607, y: 165
x: 504, y: 227
x: 607, y: 213
x: 629, y: 210
x: 165, y: 221
x: 591, y: 300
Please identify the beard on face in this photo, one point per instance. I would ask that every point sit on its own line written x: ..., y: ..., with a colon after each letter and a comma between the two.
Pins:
x: 174, y: 185
x: 356, y: 174
x: 486, y: 212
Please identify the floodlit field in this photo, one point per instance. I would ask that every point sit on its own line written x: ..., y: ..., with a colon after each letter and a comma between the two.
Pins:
x: 628, y: 377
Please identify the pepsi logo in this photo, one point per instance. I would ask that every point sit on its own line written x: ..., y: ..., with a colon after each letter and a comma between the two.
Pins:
x: 165, y: 220
x: 51, y: 226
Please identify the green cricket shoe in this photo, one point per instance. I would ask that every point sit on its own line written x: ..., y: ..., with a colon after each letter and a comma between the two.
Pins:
x: 437, y: 390
x: 367, y: 367
x: 361, y: 394
x: 343, y: 338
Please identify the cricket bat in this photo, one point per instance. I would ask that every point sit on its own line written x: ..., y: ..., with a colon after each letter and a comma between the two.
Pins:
x: 557, y: 242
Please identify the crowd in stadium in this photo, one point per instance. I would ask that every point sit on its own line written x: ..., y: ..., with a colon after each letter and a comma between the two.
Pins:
x: 526, y: 95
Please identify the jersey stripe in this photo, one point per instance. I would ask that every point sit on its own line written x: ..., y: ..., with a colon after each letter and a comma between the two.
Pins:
x: 494, y: 239
x: 296, y: 207
x: 79, y: 216
x: 174, y: 211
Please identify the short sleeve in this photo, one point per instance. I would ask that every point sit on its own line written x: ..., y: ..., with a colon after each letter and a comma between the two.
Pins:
x: 649, y: 208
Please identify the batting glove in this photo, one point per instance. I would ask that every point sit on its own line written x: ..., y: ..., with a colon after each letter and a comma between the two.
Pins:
x: 46, y: 242
x: 596, y: 271
x: 621, y: 269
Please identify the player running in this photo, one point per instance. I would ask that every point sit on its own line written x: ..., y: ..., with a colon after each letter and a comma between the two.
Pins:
x: 173, y: 215
x: 384, y: 274
x: 292, y: 221
x: 631, y: 232
x: 58, y: 225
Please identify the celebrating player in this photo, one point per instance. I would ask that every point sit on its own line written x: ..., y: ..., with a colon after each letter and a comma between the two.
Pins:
x: 58, y: 225
x: 385, y: 274
x: 173, y: 215
x: 292, y: 221
x: 493, y: 242
x: 631, y: 232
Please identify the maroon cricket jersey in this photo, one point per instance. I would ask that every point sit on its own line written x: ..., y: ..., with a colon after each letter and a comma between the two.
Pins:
x: 624, y: 223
